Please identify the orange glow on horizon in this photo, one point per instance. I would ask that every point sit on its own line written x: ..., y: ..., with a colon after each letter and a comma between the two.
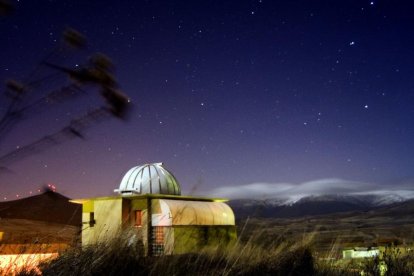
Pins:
x: 12, y: 263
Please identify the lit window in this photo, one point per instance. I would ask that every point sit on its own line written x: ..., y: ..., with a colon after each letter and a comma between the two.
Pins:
x: 158, y: 234
x: 158, y: 240
x: 138, y: 218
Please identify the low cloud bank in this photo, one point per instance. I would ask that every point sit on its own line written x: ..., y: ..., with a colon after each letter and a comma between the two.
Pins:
x: 328, y: 186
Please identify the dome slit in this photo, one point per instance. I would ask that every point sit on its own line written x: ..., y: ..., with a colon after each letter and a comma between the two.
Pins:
x: 130, y: 176
x: 159, y: 179
x: 150, y: 178
x: 135, y: 179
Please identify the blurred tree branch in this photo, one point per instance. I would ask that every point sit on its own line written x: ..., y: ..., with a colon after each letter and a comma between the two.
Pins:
x: 96, y: 74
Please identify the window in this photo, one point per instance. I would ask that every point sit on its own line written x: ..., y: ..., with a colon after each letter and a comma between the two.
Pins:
x: 158, y: 234
x: 158, y: 240
x: 138, y: 218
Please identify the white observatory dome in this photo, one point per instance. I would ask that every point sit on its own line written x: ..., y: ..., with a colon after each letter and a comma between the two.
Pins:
x: 149, y: 179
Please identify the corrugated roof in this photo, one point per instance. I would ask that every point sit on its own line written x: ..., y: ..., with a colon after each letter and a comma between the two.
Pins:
x: 167, y: 212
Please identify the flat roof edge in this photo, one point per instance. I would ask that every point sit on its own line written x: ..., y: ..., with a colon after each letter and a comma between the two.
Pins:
x: 152, y: 196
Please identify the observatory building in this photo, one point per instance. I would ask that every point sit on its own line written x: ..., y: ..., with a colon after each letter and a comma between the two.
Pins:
x: 150, y: 209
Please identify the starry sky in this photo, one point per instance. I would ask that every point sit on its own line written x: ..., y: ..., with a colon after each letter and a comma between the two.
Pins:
x: 225, y: 93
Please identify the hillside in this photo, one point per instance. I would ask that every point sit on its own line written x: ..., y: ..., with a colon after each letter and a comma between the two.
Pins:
x: 45, y: 222
x: 50, y: 207
x: 311, y: 205
x: 330, y: 233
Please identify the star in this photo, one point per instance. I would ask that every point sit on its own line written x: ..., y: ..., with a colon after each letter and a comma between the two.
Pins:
x: 366, y: 106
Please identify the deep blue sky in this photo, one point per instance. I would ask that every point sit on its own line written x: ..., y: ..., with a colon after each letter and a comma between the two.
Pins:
x: 225, y: 93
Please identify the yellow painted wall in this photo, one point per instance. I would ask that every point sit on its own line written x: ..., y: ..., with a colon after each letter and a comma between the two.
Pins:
x: 112, y: 215
x: 187, y: 239
x: 192, y: 238
x: 169, y: 240
x: 88, y: 236
x: 108, y: 220
x: 87, y: 206
x: 108, y: 217
x: 138, y: 204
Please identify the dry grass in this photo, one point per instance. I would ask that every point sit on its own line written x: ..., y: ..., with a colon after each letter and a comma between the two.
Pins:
x: 111, y: 261
x: 253, y: 254
x: 117, y: 257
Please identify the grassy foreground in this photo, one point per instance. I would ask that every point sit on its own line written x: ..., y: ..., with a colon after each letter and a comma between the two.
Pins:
x: 252, y: 256
x: 117, y: 258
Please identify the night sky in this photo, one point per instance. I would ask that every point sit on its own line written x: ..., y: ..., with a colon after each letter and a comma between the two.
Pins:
x: 226, y: 93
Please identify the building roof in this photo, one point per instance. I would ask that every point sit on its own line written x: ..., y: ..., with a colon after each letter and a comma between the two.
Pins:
x: 152, y: 196
x: 149, y: 179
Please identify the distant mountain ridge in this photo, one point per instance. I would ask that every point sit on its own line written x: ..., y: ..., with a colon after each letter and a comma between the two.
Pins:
x: 311, y: 205
x: 49, y: 207
x: 56, y: 208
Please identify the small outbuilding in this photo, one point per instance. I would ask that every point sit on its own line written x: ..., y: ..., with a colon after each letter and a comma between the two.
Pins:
x: 360, y: 252
x: 150, y: 207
